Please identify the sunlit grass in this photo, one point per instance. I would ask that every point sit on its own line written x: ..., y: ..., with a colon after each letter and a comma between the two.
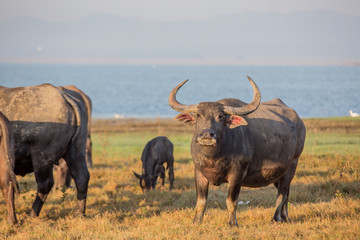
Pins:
x: 324, y: 195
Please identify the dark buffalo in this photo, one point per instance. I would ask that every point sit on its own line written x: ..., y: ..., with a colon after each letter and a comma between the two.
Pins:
x: 48, y: 125
x: 241, y: 144
x: 156, y: 152
x: 61, y: 172
x: 8, y: 181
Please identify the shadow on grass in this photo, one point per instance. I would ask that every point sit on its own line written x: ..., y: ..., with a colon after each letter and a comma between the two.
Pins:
x: 98, y: 166
x: 323, y: 191
x: 183, y: 160
x: 132, y: 203
x: 115, y: 164
x: 129, y: 204
x: 340, y: 208
x: 184, y: 196
x: 304, y: 173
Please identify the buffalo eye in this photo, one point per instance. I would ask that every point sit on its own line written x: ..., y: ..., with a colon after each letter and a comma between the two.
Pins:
x: 220, y: 117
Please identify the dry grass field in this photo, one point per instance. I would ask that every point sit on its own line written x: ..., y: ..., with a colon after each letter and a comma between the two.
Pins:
x: 324, y: 196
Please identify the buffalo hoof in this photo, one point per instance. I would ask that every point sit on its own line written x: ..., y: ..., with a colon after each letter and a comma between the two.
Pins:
x: 197, y: 220
x: 282, y: 220
x: 80, y: 208
x: 233, y: 224
x: 77, y: 213
x: 12, y: 222
x: 33, y: 214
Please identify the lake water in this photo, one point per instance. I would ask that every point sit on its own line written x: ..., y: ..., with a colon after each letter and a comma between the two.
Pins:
x: 142, y: 91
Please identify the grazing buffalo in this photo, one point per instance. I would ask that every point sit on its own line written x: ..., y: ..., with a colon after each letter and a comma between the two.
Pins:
x: 48, y: 125
x: 156, y: 152
x: 61, y: 172
x: 242, y: 144
x: 8, y: 181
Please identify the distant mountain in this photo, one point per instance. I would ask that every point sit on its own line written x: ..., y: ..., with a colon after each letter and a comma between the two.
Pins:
x: 317, y: 36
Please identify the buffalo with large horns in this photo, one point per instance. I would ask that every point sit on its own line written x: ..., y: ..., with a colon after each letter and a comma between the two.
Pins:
x: 242, y: 144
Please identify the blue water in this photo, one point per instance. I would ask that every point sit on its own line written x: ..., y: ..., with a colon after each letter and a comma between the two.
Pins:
x: 142, y: 91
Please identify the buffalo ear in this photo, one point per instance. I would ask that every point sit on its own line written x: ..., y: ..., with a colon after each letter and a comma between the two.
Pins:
x: 234, y: 121
x: 137, y: 175
x: 186, y: 118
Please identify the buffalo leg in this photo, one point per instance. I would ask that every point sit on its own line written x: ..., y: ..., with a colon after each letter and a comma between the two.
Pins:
x: 8, y: 192
x: 158, y: 171
x: 171, y: 175
x: 202, y: 187
x: 162, y: 176
x: 231, y: 200
x: 283, y: 187
x: 45, y: 181
x: 62, y: 175
x: 81, y: 176
x: 281, y: 204
x: 89, y: 162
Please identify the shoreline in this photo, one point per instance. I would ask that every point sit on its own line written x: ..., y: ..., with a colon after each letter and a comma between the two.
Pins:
x: 345, y: 124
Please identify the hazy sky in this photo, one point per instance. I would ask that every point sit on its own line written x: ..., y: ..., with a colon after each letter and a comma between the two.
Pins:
x: 164, y: 10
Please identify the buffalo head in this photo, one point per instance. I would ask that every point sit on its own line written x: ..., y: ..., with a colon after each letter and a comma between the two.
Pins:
x: 211, y: 118
x: 146, y: 182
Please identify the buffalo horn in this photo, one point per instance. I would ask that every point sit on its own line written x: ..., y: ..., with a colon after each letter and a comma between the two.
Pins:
x: 251, y: 107
x: 174, y: 104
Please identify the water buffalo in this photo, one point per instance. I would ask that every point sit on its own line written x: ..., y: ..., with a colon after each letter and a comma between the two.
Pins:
x: 48, y: 125
x: 242, y: 144
x: 61, y: 172
x: 8, y: 181
x: 156, y: 152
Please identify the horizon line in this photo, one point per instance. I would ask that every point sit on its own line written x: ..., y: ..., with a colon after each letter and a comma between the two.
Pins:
x: 178, y: 61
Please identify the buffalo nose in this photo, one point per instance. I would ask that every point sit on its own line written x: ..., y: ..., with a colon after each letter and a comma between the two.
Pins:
x: 207, y: 133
